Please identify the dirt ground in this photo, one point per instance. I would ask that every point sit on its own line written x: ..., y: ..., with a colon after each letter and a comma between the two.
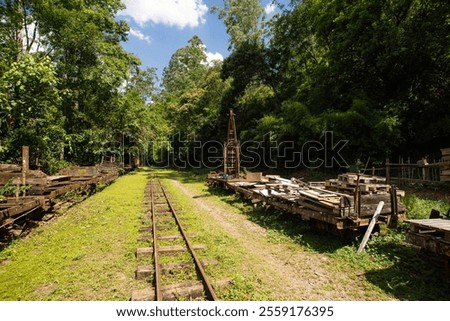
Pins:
x: 287, y: 274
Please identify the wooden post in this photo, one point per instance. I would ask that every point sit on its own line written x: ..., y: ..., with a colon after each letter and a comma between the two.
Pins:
x: 402, y: 167
x: 393, y: 217
x: 25, y: 165
x: 17, y: 182
x: 433, y: 171
x: 388, y: 171
x: 371, y: 226
x: 357, y: 197
x: 409, y: 169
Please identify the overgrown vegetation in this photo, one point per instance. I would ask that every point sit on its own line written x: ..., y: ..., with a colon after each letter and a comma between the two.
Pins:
x: 373, y: 72
x: 11, y: 189
x: 88, y: 253
x: 68, y: 90
x: 419, y: 207
x: 389, y: 266
x: 85, y: 254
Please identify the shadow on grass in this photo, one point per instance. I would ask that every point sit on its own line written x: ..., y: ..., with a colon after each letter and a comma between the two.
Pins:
x: 413, y: 275
x: 410, y: 276
x: 133, y: 172
x: 303, y: 233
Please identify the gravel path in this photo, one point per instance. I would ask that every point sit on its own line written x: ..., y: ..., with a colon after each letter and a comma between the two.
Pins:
x: 287, y: 274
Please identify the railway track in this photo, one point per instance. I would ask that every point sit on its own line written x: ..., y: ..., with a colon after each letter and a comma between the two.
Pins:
x: 176, y: 271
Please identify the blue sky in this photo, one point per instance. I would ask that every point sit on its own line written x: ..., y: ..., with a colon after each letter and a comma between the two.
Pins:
x: 160, y: 27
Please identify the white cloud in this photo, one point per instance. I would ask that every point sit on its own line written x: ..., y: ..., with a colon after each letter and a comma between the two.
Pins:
x: 270, y: 8
x: 212, y: 57
x: 140, y: 35
x: 179, y: 13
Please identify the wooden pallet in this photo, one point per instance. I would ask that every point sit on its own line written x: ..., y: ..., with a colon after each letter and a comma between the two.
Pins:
x: 349, y: 187
x: 353, y: 178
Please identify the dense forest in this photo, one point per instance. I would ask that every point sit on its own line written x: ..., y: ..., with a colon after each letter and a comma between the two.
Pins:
x: 373, y: 73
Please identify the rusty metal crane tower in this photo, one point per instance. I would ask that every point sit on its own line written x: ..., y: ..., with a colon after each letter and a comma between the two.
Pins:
x: 232, y: 149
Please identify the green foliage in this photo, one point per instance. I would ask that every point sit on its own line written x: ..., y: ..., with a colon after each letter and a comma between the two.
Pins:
x: 11, y: 189
x: 193, y: 90
x: 246, y: 66
x: 367, y: 69
x: 141, y: 123
x: 375, y: 73
x: 372, y: 72
x: 61, y: 99
x: 420, y: 208
x: 92, y: 66
x: 30, y: 111
x: 243, y: 19
x: 144, y: 82
x: 10, y: 20
x: 186, y: 68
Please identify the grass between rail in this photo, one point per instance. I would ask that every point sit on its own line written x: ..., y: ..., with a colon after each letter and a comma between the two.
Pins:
x: 219, y: 246
x: 85, y: 254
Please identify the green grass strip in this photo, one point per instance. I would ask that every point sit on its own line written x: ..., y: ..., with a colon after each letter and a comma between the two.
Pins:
x: 86, y: 254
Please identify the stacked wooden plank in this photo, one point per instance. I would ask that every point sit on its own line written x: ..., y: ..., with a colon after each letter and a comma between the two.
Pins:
x: 445, y: 165
x: 367, y: 191
x: 291, y: 191
x: 45, y: 190
x: 80, y: 178
x: 40, y: 183
x: 12, y: 174
x: 10, y: 168
x: 349, y: 182
x: 11, y: 207
x: 320, y: 200
x: 77, y: 173
x: 350, y: 196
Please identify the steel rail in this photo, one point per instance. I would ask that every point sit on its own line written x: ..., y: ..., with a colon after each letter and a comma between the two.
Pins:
x: 157, y: 272
x: 209, y: 290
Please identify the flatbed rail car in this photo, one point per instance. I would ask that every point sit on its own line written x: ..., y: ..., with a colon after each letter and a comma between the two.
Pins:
x: 432, y: 235
x: 347, y: 203
x: 45, y: 190
x: 12, y: 208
